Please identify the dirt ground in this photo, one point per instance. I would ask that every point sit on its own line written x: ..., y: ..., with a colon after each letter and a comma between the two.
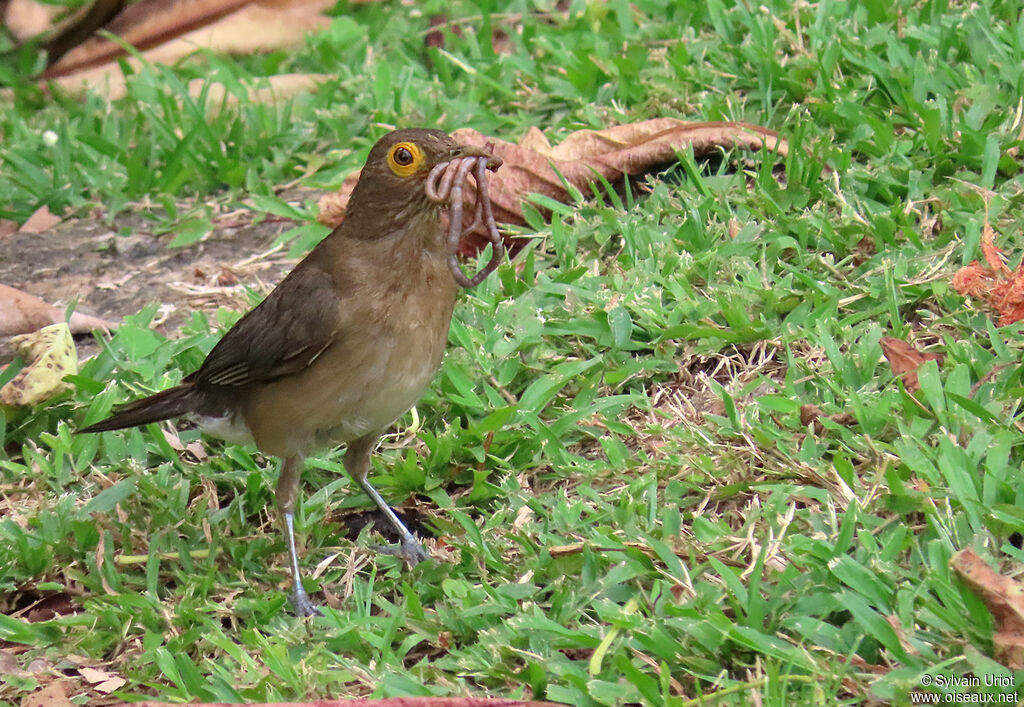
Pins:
x: 117, y: 275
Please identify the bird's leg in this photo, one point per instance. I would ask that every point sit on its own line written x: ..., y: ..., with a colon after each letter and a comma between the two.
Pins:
x: 357, y: 463
x: 287, y: 494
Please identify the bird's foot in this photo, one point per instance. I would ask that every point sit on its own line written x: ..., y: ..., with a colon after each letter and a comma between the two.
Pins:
x: 409, y: 550
x: 304, y: 606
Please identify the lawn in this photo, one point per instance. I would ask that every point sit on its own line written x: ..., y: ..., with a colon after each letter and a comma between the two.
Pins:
x: 628, y: 506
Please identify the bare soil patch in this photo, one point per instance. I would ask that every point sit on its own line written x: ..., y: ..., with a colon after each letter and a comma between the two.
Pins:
x: 113, y: 275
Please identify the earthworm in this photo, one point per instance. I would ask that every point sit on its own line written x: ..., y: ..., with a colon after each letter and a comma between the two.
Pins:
x: 444, y: 186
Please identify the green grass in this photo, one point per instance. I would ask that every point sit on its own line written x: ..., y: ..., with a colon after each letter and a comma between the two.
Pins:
x: 612, y: 452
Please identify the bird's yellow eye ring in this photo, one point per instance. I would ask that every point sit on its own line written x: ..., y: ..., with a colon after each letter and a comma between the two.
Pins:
x: 405, y: 158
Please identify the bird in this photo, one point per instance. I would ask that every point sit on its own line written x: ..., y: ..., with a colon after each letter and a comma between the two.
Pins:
x: 343, y: 346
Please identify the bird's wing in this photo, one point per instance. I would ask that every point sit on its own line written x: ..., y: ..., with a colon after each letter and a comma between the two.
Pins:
x: 281, y: 336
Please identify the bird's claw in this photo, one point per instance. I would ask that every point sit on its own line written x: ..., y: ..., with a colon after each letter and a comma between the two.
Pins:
x: 304, y: 606
x: 409, y: 550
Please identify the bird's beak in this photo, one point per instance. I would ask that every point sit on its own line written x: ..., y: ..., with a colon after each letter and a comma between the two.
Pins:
x: 493, y: 161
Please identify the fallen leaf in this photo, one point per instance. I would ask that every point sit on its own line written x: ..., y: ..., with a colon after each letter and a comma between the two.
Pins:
x: 93, y: 675
x: 173, y: 441
x: 78, y: 26
x: 9, y: 664
x: 49, y: 605
x: 523, y: 516
x: 49, y: 356
x: 197, y: 450
x: 1004, y: 598
x: 143, y: 25
x: 42, y: 220
x: 533, y: 165
x: 53, y: 695
x: 25, y: 19
x: 863, y: 251
x: 21, y: 313
x: 809, y: 413
x: 992, y: 281
x: 904, y: 360
x: 435, y: 36
x: 103, y: 682
x: 7, y: 227
x: 332, y: 206
x: 168, y: 31
x: 993, y: 255
x: 812, y: 413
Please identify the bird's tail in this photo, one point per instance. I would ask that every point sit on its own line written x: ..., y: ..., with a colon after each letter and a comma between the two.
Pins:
x: 161, y: 406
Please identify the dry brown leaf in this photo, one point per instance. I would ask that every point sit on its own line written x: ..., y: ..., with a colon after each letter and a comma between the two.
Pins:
x: 53, y: 695
x: 21, y: 313
x: 42, y: 220
x: 863, y: 251
x: 25, y: 19
x: 1004, y: 598
x: 992, y: 281
x: 234, y: 27
x: 332, y: 205
x: 79, y: 26
x: 7, y: 227
x: 533, y: 165
x: 993, y: 255
x: 93, y: 675
x: 812, y: 413
x: 103, y: 682
x: 144, y: 25
x: 56, y: 27
x: 9, y: 664
x: 49, y: 606
x: 809, y: 414
x: 623, y: 150
x: 904, y: 360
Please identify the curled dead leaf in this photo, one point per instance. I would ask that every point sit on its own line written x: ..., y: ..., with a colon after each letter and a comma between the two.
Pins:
x: 168, y: 31
x: 21, y: 313
x: 534, y: 166
x: 1004, y: 598
x: 904, y: 360
x: 992, y: 281
x: 78, y: 26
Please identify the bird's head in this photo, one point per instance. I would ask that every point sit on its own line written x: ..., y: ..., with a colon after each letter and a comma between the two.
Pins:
x: 394, y: 177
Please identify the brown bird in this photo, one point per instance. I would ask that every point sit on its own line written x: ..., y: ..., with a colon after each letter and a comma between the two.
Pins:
x: 348, y: 341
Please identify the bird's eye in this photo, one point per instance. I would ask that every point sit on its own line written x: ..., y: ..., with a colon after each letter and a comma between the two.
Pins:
x: 405, y: 158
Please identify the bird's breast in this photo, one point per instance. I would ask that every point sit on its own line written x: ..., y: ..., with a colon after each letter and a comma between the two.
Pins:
x: 389, y: 346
